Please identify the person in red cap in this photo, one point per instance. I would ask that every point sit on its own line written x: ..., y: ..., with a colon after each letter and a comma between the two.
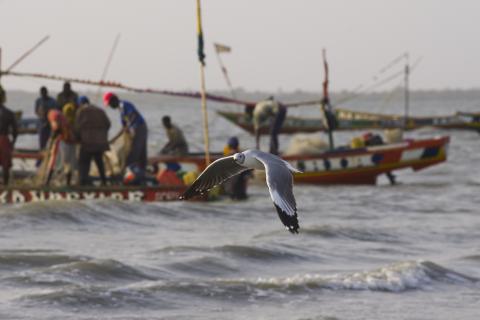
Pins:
x: 134, y: 122
x: 8, y: 127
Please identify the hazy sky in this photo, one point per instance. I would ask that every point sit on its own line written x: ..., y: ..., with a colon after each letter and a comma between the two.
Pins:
x: 276, y: 44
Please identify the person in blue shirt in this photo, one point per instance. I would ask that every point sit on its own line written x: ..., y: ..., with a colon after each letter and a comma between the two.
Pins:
x: 43, y: 105
x: 134, y: 122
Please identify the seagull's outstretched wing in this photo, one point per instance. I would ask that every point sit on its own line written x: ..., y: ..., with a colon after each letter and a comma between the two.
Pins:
x: 216, y: 173
x: 280, y: 183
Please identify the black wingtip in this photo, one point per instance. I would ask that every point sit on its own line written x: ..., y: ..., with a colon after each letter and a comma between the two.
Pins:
x: 290, y: 222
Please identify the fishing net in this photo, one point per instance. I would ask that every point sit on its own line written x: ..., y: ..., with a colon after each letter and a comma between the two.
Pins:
x: 304, y: 144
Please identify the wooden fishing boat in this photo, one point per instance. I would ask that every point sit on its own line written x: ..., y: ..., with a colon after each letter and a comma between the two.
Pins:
x: 364, y: 165
x: 23, y: 191
x: 349, y: 166
x: 459, y: 120
x: 26, y: 125
x: 353, y: 120
x: 340, y: 166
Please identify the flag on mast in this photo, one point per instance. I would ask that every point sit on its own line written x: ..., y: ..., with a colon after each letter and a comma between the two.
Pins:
x: 221, y: 48
x: 200, y: 50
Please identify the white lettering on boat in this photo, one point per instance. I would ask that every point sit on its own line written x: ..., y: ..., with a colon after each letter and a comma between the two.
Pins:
x: 3, y: 197
x: 22, y: 196
x: 88, y: 195
x: 73, y: 196
x: 17, y: 197
x: 135, y: 196
x: 115, y: 196
x: 37, y: 196
x: 166, y: 195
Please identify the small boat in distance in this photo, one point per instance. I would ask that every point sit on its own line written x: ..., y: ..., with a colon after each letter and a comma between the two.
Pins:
x: 354, y: 120
x: 26, y: 125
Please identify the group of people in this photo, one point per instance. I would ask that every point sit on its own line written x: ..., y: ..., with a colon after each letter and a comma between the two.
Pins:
x: 72, y: 120
x: 75, y: 130
x: 78, y: 129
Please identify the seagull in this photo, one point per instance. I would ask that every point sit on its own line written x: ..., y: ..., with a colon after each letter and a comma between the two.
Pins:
x: 278, y: 175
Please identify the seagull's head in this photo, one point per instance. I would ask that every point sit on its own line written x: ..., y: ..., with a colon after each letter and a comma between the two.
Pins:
x: 239, y: 158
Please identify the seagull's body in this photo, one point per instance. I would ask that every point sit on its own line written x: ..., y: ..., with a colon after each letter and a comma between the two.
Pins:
x: 278, y: 175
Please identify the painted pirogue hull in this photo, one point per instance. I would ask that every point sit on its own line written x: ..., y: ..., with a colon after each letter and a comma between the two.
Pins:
x: 364, y: 165
x: 349, y: 120
x: 342, y: 166
x: 352, y: 166
x: 123, y: 193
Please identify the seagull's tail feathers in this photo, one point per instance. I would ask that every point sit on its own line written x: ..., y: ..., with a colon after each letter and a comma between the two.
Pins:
x: 290, y: 221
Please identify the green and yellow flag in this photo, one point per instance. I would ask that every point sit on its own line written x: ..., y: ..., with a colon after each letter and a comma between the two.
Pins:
x: 200, y: 52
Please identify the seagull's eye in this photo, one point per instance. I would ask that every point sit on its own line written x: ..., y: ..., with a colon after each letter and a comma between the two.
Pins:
x: 239, y: 157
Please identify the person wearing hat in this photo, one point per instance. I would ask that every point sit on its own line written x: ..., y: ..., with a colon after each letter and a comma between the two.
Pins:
x: 231, y: 147
x: 8, y: 136
x: 43, y: 105
x: 91, y: 128
x: 236, y: 186
x: 176, y: 145
x: 264, y: 111
x: 62, y: 131
x: 132, y: 121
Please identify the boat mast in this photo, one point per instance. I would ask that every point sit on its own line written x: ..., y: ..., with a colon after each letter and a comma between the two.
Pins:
x: 326, y: 106
x: 201, y: 58
x: 407, y: 94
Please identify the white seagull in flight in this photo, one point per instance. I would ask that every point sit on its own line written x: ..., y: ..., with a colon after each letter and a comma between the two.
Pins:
x: 278, y: 175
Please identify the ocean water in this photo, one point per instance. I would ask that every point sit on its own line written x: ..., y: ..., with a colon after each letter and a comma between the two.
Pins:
x: 410, y: 251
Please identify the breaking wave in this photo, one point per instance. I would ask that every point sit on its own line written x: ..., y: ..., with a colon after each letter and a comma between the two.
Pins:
x: 395, y: 278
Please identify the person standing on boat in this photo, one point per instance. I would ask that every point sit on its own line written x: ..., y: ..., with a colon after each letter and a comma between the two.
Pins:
x: 61, y: 130
x: 236, y: 186
x: 91, y: 128
x: 275, y: 112
x: 176, y: 145
x: 132, y: 121
x: 8, y: 136
x: 66, y: 96
x: 43, y: 105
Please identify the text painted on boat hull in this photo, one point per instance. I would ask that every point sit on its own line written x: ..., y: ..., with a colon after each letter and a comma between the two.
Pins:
x: 22, y: 196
